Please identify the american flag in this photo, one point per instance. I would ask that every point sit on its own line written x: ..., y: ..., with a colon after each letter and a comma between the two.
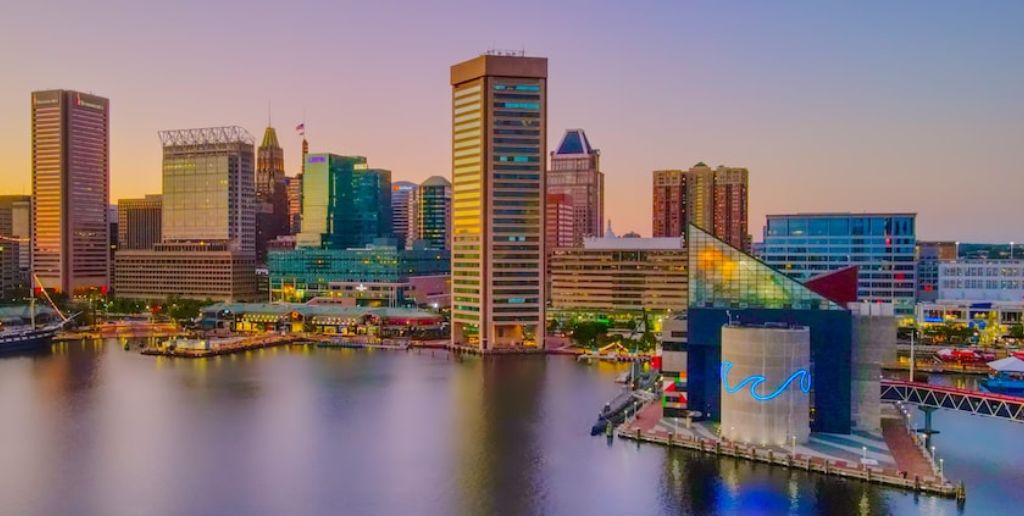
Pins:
x: 301, y: 128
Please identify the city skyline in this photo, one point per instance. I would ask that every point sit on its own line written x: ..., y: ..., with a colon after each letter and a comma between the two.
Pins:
x: 821, y: 95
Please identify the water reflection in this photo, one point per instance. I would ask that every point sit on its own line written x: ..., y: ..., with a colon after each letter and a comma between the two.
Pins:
x: 91, y: 429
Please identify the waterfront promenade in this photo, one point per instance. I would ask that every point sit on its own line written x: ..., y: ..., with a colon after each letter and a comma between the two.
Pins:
x: 893, y: 458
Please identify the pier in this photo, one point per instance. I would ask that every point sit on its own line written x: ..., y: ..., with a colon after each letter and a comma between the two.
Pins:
x: 225, y: 346
x: 896, y: 458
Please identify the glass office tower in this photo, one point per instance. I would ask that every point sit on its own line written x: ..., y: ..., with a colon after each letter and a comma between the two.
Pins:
x: 880, y: 245
x: 344, y: 203
x: 499, y: 121
x: 208, y: 187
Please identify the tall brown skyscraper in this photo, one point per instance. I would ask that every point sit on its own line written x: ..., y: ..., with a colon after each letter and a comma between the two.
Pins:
x: 730, y: 206
x: 71, y: 189
x: 499, y: 121
x: 576, y: 171
x: 714, y: 199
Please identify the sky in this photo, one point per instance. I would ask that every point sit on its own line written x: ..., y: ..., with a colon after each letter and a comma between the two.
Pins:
x: 859, y: 106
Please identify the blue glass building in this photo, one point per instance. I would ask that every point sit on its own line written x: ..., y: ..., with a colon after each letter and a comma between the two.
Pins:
x: 345, y: 204
x: 304, y: 273
x: 880, y: 245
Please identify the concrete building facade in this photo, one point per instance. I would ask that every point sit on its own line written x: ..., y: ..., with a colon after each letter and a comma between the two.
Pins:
x: 613, y: 275
x: 982, y: 280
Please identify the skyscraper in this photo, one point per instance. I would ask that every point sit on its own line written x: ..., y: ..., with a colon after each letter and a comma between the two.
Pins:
x: 71, y: 188
x: 401, y: 191
x: 208, y: 190
x: 713, y: 199
x: 208, y: 221
x: 576, y: 171
x: 272, y: 203
x: 138, y: 222
x: 430, y: 210
x: 269, y: 164
x: 344, y: 203
x: 499, y: 121
x: 730, y: 206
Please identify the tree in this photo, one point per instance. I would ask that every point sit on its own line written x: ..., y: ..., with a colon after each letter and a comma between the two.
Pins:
x: 586, y: 333
x: 182, y: 309
x: 1017, y: 331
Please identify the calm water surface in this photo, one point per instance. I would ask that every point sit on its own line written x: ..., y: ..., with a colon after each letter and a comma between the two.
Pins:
x: 89, y: 429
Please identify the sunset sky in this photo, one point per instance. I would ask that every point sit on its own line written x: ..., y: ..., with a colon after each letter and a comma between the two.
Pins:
x: 895, y: 106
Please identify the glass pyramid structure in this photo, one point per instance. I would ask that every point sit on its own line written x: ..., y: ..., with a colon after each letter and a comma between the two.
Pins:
x: 722, y: 276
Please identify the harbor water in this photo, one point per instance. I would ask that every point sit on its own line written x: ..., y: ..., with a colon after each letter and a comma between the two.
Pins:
x: 90, y: 429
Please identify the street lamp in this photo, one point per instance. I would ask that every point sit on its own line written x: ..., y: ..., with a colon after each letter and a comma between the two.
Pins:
x: 941, y: 469
x: 864, y: 452
x: 933, y: 452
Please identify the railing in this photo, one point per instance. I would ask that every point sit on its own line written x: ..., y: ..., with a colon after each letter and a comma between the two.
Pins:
x: 975, y: 402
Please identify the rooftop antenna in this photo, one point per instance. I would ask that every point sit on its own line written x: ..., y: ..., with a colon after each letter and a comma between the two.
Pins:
x: 268, y: 113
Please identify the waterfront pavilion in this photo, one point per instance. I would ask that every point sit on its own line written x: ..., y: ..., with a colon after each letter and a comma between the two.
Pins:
x: 323, y: 318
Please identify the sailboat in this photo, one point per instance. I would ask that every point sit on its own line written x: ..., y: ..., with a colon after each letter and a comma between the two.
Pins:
x: 16, y: 335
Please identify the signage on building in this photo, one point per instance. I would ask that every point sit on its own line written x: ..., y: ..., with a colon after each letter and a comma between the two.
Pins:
x: 755, y: 381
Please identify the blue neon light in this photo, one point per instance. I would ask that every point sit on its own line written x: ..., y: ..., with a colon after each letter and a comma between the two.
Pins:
x: 756, y: 380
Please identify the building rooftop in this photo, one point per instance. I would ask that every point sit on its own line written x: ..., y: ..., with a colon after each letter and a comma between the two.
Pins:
x: 205, y: 136
x: 574, y: 142
x: 436, y: 181
x: 327, y: 310
x: 269, y: 138
x: 844, y: 214
x: 664, y: 243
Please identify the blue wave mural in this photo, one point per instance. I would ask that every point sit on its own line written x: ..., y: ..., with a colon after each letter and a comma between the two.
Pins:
x: 755, y: 381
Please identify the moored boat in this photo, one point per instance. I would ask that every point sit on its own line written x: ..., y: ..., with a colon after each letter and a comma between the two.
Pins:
x: 1007, y: 377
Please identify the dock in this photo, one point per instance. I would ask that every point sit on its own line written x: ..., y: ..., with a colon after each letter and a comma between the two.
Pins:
x: 237, y: 345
